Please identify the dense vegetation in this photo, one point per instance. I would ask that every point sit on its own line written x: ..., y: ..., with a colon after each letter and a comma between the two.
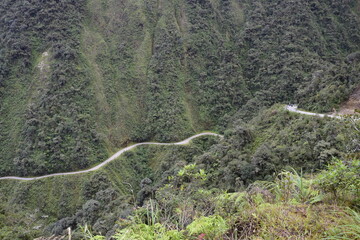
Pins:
x: 101, y: 198
x: 49, y: 206
x: 290, y: 207
x: 45, y: 100
x: 80, y: 79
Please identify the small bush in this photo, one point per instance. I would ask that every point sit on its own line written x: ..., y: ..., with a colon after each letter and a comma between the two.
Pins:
x: 341, y: 178
x: 147, y: 232
x: 213, y: 227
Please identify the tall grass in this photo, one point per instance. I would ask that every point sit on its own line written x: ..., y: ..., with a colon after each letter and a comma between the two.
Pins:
x: 348, y: 231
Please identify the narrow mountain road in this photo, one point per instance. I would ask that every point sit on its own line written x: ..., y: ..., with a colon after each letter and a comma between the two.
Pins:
x: 293, y: 108
x: 113, y: 157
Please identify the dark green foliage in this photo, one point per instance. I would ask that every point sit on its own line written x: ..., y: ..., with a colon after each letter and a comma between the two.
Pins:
x: 145, y: 192
x: 297, y: 52
x: 55, y: 130
x: 332, y: 86
x: 97, y: 183
x: 275, y: 140
x: 80, y: 79
x: 120, y: 71
x: 98, y: 199
x: 213, y: 59
x: 341, y: 178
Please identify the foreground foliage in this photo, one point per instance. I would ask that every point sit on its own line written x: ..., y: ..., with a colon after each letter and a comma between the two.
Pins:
x: 191, y: 177
x: 291, y: 207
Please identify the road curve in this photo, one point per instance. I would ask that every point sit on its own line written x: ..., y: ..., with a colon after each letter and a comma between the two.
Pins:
x: 113, y: 157
x: 293, y: 108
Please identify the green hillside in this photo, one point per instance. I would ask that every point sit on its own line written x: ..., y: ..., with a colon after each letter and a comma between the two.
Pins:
x: 50, y: 205
x: 124, y: 71
x: 81, y: 79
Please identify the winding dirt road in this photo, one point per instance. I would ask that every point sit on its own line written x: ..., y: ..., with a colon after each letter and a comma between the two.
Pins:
x: 293, y: 108
x: 113, y: 157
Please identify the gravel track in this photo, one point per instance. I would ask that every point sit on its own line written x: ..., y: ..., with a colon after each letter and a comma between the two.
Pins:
x: 112, y: 158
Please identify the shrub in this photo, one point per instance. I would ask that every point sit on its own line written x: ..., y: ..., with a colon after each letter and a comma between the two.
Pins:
x: 288, y: 186
x: 341, y: 177
x: 148, y: 232
x: 213, y: 227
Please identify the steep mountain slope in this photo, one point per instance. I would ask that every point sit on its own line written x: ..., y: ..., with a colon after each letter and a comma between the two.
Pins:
x: 81, y: 78
x: 258, y: 150
x: 45, y: 114
x: 48, y: 206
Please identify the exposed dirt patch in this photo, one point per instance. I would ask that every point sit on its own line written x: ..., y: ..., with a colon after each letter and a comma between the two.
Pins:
x: 350, y: 105
x: 44, y: 63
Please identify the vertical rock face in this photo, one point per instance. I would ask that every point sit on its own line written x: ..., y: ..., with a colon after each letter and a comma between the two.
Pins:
x: 122, y: 71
